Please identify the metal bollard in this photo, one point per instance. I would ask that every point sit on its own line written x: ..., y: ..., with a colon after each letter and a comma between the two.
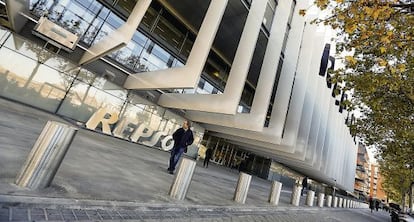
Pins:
x: 321, y: 199
x: 335, y: 202
x: 275, y: 193
x: 295, y: 198
x: 46, y: 155
x: 240, y: 194
x: 329, y: 201
x: 182, y: 180
x: 310, y: 197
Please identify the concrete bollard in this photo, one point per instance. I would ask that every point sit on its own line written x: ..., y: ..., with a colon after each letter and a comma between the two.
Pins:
x: 179, y: 187
x: 321, y: 199
x: 335, y: 202
x: 346, y: 203
x: 328, y: 200
x: 46, y: 155
x: 295, y: 198
x: 340, y: 202
x: 310, y: 197
x: 275, y: 193
x: 240, y: 194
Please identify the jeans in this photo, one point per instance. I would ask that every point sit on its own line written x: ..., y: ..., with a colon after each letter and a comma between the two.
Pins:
x: 175, y: 156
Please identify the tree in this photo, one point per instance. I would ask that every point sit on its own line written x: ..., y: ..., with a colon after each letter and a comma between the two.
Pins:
x: 378, y: 37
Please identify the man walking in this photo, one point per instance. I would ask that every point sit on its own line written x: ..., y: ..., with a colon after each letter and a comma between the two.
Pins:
x: 207, y: 157
x: 182, y: 137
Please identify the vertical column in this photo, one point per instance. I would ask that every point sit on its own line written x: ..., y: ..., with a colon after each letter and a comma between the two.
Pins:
x: 295, y: 198
x: 275, y: 192
x: 240, y: 194
x: 182, y: 180
x: 335, y: 202
x: 328, y: 200
x: 46, y: 155
x: 310, y: 197
x: 321, y: 199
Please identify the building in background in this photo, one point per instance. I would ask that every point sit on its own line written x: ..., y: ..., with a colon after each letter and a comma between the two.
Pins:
x: 362, y: 176
x: 251, y: 74
x: 375, y: 188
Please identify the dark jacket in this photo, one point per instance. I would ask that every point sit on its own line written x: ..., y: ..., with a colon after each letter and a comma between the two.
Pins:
x: 209, y: 153
x: 183, y: 138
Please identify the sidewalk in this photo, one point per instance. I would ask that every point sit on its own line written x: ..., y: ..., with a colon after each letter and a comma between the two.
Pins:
x: 101, y: 172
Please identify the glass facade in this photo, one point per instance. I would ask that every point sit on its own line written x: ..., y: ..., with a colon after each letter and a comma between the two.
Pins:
x: 161, y: 42
x: 230, y: 155
x: 52, y: 83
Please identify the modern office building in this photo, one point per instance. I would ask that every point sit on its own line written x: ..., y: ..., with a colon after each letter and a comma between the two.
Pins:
x: 252, y: 75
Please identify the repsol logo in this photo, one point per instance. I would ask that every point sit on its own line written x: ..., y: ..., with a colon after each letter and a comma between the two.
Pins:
x: 136, y: 132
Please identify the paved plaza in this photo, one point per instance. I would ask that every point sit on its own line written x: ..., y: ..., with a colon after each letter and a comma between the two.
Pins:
x: 108, y: 179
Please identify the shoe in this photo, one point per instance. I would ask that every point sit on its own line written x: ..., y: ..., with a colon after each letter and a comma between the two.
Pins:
x: 171, y: 172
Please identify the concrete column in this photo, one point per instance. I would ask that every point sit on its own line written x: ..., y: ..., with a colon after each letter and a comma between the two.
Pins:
x: 310, y: 197
x: 329, y: 201
x: 340, y: 202
x: 321, y: 198
x: 228, y: 101
x: 295, y: 198
x: 240, y: 194
x: 46, y: 155
x: 335, y: 202
x: 179, y: 187
x: 188, y: 75
x: 275, y: 193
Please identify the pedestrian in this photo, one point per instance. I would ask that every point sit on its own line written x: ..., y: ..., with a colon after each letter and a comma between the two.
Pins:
x: 207, y: 157
x: 304, y: 185
x: 377, y: 204
x: 182, y: 137
x: 371, y: 204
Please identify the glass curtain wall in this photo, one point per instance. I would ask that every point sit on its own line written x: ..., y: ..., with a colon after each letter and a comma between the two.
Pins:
x: 52, y: 83
x: 161, y: 42
x: 230, y: 155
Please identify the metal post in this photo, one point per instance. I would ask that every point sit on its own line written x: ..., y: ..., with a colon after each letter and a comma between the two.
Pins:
x: 182, y: 180
x: 295, y: 198
x: 329, y: 201
x: 310, y: 197
x: 240, y: 194
x: 335, y: 202
x: 46, y: 155
x: 275, y: 192
x: 321, y: 198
